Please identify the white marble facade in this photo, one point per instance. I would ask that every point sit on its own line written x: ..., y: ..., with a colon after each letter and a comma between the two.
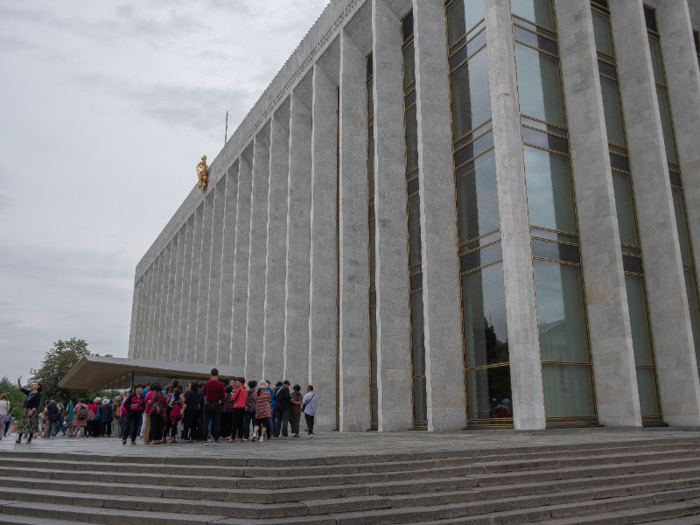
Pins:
x: 268, y: 269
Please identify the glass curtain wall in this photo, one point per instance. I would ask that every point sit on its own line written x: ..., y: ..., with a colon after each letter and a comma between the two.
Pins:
x: 675, y: 174
x: 420, y: 409
x: 481, y: 263
x: 564, y: 346
x: 374, y: 399
x: 627, y: 216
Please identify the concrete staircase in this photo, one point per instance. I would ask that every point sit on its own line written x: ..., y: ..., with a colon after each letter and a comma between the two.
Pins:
x: 641, y: 481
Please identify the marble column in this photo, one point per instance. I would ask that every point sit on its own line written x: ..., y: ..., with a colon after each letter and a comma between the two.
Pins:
x: 204, y: 268
x: 191, y: 347
x: 223, y: 354
x: 241, y: 260
x: 135, y: 310
x: 177, y: 295
x: 521, y: 312
x: 296, y: 325
x: 610, y: 331
x: 157, y: 309
x: 214, y: 294
x: 668, y: 302
x: 323, y: 315
x: 354, y: 355
x: 394, y: 372
x: 185, y: 292
x: 167, y: 325
x: 276, y: 264
x: 444, y: 349
x: 255, y: 325
x: 145, y: 309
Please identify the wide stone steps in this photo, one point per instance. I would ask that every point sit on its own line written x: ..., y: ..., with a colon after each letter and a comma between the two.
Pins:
x: 634, y: 482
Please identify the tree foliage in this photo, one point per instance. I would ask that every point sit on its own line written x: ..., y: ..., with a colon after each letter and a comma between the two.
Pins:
x: 56, y: 364
x: 16, y: 397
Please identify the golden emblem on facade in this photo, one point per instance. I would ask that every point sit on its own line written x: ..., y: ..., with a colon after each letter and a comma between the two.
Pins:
x: 203, y: 173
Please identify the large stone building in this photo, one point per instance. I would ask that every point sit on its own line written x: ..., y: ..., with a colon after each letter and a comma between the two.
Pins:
x: 441, y: 214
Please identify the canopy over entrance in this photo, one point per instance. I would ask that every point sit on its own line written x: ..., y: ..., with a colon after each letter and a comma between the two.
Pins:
x: 103, y: 373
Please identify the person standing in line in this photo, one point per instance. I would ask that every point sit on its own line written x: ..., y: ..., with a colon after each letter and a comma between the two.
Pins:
x: 147, y: 411
x: 239, y: 400
x: 157, y: 416
x: 190, y: 408
x: 4, y: 413
x: 214, y: 394
x: 271, y: 423
x: 80, y: 421
x: 144, y: 415
x: 281, y: 411
x: 263, y: 410
x: 227, y: 411
x: 117, y: 411
x: 70, y: 416
x: 62, y: 417
x: 295, y: 410
x: 134, y: 406
x: 52, y: 413
x: 106, y: 418
x: 309, y: 408
x: 92, y: 416
x: 30, y: 416
x: 249, y: 409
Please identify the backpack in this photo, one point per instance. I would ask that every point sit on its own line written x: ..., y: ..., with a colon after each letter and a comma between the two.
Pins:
x: 158, y: 404
x: 228, y: 405
x: 83, y: 413
x: 119, y: 412
x: 176, y: 414
x: 138, y: 405
x: 170, y: 400
x: 90, y: 415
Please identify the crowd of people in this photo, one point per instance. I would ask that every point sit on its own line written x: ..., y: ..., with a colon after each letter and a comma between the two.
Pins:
x: 204, y: 411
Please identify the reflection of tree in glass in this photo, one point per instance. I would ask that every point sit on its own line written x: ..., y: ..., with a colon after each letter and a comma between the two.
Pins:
x: 499, y: 378
x: 496, y: 351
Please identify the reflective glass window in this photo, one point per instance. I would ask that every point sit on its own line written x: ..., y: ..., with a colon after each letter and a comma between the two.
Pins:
x: 411, y: 140
x: 625, y: 208
x: 560, y: 312
x: 479, y: 258
x: 648, y: 394
x: 682, y: 226
x: 603, y: 36
x: 641, y: 334
x: 539, y: 85
x: 613, y: 111
x: 414, y: 251
x: 477, y: 198
x: 485, y: 325
x: 656, y: 61
x: 692, y: 291
x: 462, y: 15
x: 489, y: 394
x: 538, y: 11
x: 549, y: 194
x: 568, y: 390
x: 667, y: 124
x: 471, y: 98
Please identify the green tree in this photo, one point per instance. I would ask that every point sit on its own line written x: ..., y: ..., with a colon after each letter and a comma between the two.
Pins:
x: 56, y: 364
x: 16, y: 397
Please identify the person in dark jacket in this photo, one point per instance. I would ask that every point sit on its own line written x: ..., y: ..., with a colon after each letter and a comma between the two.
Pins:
x: 52, y: 416
x: 281, y: 410
x: 190, y: 408
x: 106, y: 418
x: 134, y: 406
x: 29, y: 424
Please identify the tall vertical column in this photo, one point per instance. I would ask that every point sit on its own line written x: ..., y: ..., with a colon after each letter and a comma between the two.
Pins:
x: 135, y: 308
x: 617, y: 396
x: 185, y: 292
x: 223, y: 354
x: 273, y: 343
x: 668, y: 302
x: 239, y: 317
x: 191, y: 346
x: 143, y: 332
x: 354, y: 333
x: 444, y: 353
x: 167, y: 325
x: 683, y: 80
x: 296, y: 324
x: 258, y: 254
x: 157, y: 308
x: 323, y: 315
x: 394, y: 371
x: 212, y: 327
x: 204, y: 268
x: 177, y: 295
x: 523, y: 341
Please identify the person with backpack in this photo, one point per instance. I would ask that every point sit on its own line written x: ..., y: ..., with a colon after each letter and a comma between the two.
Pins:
x: 80, y: 421
x: 239, y: 400
x: 134, y: 406
x: 63, y: 416
x: 157, y: 405
x: 175, y: 417
x: 92, y: 418
x: 172, y: 397
x: 190, y: 412
x: 249, y: 409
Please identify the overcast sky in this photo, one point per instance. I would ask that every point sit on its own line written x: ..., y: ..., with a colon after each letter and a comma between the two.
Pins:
x: 105, y: 111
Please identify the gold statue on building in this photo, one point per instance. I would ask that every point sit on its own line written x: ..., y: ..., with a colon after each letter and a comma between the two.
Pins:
x: 203, y: 173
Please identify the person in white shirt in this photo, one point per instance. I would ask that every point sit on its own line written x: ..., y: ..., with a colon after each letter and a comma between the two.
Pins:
x: 309, y: 406
x: 4, y: 413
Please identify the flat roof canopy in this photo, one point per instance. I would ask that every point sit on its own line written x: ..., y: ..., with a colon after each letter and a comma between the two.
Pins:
x: 97, y: 373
